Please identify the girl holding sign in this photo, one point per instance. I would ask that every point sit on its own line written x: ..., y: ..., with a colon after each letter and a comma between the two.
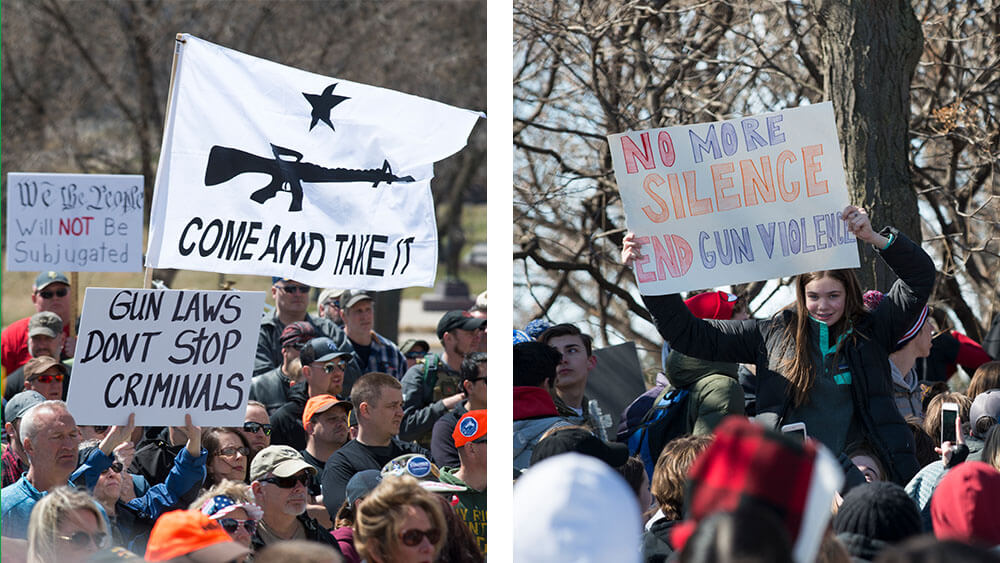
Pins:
x: 823, y: 361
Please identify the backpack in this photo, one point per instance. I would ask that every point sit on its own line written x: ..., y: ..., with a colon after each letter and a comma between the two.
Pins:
x: 657, y: 427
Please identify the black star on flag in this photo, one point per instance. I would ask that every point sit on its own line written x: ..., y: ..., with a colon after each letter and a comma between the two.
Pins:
x: 322, y: 104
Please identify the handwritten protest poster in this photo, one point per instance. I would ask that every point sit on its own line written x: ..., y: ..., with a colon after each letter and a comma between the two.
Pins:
x: 735, y: 201
x: 163, y: 354
x: 74, y: 222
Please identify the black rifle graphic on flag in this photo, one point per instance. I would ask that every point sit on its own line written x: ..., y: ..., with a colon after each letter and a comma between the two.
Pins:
x: 225, y: 163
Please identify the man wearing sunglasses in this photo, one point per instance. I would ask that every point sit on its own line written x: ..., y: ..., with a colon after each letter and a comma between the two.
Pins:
x: 372, y: 351
x: 473, y: 375
x: 323, y: 368
x: 279, y: 480
x: 256, y: 427
x: 433, y: 388
x: 328, y: 305
x: 45, y: 374
x: 45, y: 338
x: 51, y: 292
x: 291, y: 301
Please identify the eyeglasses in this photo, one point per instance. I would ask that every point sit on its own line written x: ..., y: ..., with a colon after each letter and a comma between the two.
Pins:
x: 416, y: 355
x: 56, y: 293
x: 475, y: 379
x: 231, y: 452
x: 294, y: 288
x: 46, y: 378
x: 116, y: 466
x: 83, y: 539
x: 255, y: 427
x: 231, y: 525
x: 288, y: 482
x: 329, y: 367
x: 413, y: 538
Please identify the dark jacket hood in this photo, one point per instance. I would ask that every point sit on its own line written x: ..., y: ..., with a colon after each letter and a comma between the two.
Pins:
x: 683, y: 371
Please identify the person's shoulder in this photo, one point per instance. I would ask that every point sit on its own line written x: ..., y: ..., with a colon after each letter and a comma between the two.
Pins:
x: 414, y: 374
x: 15, y: 327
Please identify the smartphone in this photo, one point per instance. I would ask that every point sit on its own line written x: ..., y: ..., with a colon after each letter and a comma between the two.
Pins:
x: 949, y: 414
x: 796, y: 429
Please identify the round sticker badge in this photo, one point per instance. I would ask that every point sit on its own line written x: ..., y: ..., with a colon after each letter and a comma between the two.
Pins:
x: 418, y: 466
x: 469, y: 427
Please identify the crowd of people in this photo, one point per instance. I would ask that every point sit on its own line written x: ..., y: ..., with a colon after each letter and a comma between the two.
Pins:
x: 813, y: 435
x: 352, y: 448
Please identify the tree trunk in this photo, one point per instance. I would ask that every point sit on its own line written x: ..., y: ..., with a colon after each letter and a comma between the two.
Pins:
x: 870, y: 50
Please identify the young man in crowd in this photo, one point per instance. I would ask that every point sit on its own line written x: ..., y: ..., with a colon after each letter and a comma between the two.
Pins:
x: 378, y: 405
x: 572, y: 373
x: 272, y: 387
x: 433, y: 388
x: 323, y: 367
x: 534, y: 411
x: 372, y: 351
x: 474, y: 388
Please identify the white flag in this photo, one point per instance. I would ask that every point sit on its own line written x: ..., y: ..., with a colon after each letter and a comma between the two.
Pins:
x: 270, y: 170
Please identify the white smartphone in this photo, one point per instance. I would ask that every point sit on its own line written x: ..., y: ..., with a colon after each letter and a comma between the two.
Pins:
x: 949, y: 414
x: 797, y: 429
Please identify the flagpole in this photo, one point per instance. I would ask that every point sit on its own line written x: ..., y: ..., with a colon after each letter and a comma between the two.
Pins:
x: 147, y: 278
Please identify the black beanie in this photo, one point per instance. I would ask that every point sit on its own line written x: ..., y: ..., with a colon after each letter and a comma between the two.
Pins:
x: 878, y: 511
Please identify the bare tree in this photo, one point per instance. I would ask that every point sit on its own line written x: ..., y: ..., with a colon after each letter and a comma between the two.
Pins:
x: 914, y: 90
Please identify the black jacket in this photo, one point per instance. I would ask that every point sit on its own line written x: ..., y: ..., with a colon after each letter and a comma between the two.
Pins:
x: 866, y: 353
x: 656, y: 547
x: 353, y: 457
x: 314, y: 532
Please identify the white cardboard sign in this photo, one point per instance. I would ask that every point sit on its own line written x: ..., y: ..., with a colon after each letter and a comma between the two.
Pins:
x: 164, y: 354
x: 735, y: 201
x: 74, y: 222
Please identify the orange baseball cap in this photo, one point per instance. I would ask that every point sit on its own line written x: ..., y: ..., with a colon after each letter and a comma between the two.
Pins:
x: 470, y: 428
x: 191, y: 533
x: 321, y: 403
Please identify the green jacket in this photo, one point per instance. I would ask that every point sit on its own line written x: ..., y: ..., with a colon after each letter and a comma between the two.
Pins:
x: 714, y: 387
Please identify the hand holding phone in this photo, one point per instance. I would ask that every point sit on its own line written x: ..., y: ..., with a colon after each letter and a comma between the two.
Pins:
x: 796, y: 429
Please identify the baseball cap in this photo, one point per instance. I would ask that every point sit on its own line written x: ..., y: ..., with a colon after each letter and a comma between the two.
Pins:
x: 351, y: 297
x: 362, y: 483
x: 322, y: 403
x: 37, y: 366
x: 409, y: 345
x: 320, y: 349
x: 46, y: 279
x: 281, y: 461
x: 578, y: 440
x: 712, y: 305
x: 470, y: 428
x: 191, y: 533
x: 327, y: 294
x: 458, y: 320
x: 45, y: 323
x: 296, y: 334
x: 421, y: 469
x: 20, y: 403
x: 986, y: 404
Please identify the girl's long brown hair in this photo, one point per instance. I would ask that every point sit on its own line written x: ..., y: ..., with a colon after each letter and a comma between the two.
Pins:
x: 799, y: 369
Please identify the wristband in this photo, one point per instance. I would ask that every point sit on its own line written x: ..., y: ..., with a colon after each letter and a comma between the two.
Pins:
x: 892, y: 237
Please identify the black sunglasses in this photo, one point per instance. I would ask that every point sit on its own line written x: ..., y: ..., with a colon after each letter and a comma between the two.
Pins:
x: 413, y: 538
x: 294, y: 288
x: 116, y: 466
x: 329, y: 367
x: 288, y: 482
x: 475, y: 379
x: 83, y: 539
x: 255, y: 427
x: 416, y: 355
x: 230, y: 525
x: 55, y: 293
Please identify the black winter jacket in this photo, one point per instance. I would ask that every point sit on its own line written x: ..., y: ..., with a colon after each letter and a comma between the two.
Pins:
x: 866, y: 352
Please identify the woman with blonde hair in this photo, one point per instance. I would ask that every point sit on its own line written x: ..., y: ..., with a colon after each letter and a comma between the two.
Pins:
x: 65, y: 526
x: 399, y: 522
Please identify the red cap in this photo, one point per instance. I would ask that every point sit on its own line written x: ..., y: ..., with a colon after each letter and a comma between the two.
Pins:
x: 964, y: 506
x: 471, y: 427
x: 712, y: 305
x: 320, y: 403
x: 184, y: 532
